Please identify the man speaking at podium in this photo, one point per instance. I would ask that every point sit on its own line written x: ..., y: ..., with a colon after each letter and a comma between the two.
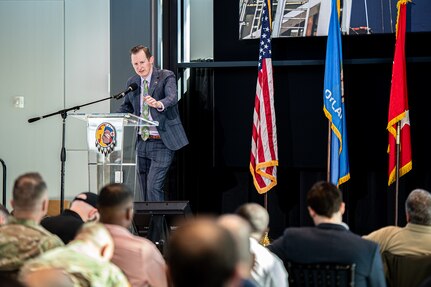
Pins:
x: 156, y: 99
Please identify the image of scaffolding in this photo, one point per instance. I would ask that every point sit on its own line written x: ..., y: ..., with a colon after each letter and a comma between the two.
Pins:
x: 303, y: 18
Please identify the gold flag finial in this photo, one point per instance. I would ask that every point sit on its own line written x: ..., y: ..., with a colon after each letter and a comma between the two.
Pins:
x: 265, y: 240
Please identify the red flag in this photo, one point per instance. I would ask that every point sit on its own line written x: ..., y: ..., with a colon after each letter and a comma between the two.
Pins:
x: 264, y: 151
x: 398, y: 103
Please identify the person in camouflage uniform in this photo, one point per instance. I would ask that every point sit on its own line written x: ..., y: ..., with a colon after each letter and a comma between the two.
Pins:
x: 4, y: 214
x: 22, y: 238
x: 85, y: 261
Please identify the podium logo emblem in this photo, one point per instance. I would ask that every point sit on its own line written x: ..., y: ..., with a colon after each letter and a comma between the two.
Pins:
x: 106, y: 138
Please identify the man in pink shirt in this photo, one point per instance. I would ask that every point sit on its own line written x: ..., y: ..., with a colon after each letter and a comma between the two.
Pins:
x: 137, y: 257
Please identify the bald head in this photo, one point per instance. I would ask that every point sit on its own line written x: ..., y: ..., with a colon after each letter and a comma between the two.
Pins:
x: 418, y: 207
x: 201, y: 253
x: 115, y: 204
x: 97, y: 236
x: 241, y: 231
x: 256, y: 216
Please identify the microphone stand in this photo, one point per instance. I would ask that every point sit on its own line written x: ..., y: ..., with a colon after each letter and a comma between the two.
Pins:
x: 63, y: 114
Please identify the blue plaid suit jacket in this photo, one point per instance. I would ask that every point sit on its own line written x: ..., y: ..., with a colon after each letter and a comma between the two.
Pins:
x: 163, y: 88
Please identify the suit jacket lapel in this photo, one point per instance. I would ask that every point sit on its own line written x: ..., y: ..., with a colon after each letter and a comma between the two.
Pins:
x: 154, y: 81
x: 136, y: 98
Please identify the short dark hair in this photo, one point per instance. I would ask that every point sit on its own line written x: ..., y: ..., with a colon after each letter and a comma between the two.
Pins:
x: 113, y: 195
x: 138, y: 48
x: 418, y: 207
x: 201, y: 253
x: 324, y: 198
x: 28, y: 190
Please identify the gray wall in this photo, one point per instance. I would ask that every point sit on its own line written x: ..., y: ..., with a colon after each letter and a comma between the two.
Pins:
x: 130, y: 26
x: 55, y: 54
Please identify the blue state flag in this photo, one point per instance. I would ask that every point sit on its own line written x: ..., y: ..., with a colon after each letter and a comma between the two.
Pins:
x: 333, y: 101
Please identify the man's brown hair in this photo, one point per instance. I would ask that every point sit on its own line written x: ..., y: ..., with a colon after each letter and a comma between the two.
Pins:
x: 138, y: 48
x: 28, y: 190
x: 324, y: 198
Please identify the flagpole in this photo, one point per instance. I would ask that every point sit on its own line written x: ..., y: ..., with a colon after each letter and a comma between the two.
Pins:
x: 366, y: 17
x: 264, y: 150
x: 265, y: 239
x: 400, y: 157
x: 397, y: 171
x: 328, y: 165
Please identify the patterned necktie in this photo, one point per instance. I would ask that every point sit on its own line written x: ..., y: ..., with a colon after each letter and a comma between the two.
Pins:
x: 145, y: 112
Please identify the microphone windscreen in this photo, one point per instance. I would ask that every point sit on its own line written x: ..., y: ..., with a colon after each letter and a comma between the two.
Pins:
x: 133, y: 86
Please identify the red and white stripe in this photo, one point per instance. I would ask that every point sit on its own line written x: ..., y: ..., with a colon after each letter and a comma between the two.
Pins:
x: 264, y: 150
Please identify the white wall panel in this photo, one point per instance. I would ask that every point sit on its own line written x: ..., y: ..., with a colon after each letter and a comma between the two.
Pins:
x: 86, y: 74
x: 55, y: 54
x: 31, y: 57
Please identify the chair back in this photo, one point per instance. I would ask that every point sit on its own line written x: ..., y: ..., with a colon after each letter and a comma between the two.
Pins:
x: 406, y: 270
x: 321, y: 274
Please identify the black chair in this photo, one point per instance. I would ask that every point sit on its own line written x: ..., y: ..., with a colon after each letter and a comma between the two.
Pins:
x: 406, y: 270
x: 321, y: 274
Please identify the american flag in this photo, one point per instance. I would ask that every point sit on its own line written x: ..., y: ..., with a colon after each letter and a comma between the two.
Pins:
x: 264, y: 150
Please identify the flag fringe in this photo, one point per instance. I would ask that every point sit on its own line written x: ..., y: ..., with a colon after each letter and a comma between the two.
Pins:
x: 334, y: 129
x: 399, y: 3
x: 392, y: 122
x: 327, y: 114
x: 343, y: 179
x: 259, y: 171
x: 403, y: 170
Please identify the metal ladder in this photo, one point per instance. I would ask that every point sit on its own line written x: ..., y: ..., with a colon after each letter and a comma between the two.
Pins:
x: 257, y: 15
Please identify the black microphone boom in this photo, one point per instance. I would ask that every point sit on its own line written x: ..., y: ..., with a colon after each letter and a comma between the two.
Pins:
x: 131, y: 88
x: 63, y: 114
x: 34, y: 119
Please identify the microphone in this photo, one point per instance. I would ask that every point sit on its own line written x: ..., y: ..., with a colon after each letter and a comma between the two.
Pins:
x: 34, y: 119
x: 131, y: 88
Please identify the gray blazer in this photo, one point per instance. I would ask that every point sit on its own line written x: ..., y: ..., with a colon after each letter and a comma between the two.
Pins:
x: 163, y: 88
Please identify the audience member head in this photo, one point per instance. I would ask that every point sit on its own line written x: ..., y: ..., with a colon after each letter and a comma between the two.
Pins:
x: 46, y: 277
x: 4, y: 213
x: 325, y: 203
x: 241, y: 232
x: 202, y: 253
x: 97, y: 238
x: 418, y: 207
x: 85, y: 204
x: 116, y: 204
x: 30, y: 197
x: 257, y: 216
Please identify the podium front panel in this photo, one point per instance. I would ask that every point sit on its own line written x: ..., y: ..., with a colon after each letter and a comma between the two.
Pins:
x: 111, y: 152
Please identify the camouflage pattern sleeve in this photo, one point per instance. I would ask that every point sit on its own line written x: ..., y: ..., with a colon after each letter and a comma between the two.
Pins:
x: 50, y: 242
x: 117, y: 277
